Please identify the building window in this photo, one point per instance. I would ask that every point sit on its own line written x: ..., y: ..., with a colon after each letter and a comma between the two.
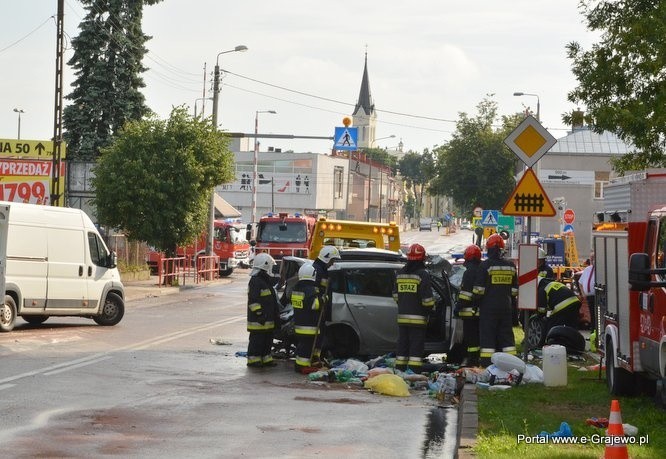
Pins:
x: 337, y: 180
x: 601, y: 178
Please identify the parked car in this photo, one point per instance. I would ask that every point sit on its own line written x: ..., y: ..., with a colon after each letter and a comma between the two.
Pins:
x: 425, y: 224
x: 466, y: 225
x: 364, y: 314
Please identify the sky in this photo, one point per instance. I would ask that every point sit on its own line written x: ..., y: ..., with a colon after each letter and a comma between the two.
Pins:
x: 428, y: 61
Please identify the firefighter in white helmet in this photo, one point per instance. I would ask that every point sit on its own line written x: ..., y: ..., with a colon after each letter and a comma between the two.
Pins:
x: 262, y: 312
x: 327, y: 256
x: 307, y: 304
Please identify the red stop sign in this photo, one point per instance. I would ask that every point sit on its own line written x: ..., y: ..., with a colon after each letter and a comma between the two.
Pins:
x: 569, y: 216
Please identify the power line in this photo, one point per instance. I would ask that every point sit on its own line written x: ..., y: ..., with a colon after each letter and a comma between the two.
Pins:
x: 28, y: 34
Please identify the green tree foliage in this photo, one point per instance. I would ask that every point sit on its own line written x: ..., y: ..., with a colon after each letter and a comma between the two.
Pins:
x: 418, y: 170
x: 475, y: 167
x: 107, y: 64
x: 155, y: 181
x: 621, y: 79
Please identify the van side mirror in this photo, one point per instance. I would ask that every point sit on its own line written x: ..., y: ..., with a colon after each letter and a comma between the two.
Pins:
x: 639, y: 271
x: 113, y: 260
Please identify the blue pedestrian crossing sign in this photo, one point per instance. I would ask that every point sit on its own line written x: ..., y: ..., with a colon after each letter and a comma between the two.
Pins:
x: 490, y: 218
x: 346, y: 138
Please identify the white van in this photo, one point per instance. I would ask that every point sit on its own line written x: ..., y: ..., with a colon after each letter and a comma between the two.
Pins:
x: 53, y: 262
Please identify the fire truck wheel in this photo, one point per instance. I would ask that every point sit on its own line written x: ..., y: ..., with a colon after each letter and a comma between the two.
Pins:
x: 618, y: 380
x: 226, y: 272
x: 7, y: 314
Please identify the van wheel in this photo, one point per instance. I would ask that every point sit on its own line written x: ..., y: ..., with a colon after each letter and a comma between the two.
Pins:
x: 342, y: 342
x: 226, y: 272
x: 8, y: 314
x: 112, y: 311
x: 618, y: 380
x: 35, y: 320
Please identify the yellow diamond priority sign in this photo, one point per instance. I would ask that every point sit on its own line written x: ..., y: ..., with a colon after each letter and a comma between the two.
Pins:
x: 530, y: 141
x: 529, y: 198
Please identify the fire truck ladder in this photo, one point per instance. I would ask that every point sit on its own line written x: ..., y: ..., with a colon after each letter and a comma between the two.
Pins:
x: 570, y: 249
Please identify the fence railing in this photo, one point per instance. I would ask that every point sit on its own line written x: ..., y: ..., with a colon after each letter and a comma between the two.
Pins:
x: 179, y: 269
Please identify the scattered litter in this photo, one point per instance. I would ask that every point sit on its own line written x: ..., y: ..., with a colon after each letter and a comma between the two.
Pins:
x: 629, y: 430
x: 597, y: 422
x: 241, y: 354
x: 220, y: 342
x: 379, y: 371
x: 499, y: 387
x: 388, y: 384
x: 565, y: 431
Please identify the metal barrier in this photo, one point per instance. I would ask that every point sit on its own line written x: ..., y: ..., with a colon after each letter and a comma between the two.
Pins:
x: 208, y: 267
x: 172, y: 270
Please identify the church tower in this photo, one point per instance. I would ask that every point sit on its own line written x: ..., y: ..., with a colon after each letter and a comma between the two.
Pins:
x: 364, y: 116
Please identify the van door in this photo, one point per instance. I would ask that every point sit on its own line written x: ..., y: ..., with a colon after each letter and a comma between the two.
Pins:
x: 97, y: 270
x: 4, y: 223
x: 67, y: 286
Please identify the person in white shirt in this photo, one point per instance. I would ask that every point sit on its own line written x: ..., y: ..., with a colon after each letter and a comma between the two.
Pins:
x: 586, y: 284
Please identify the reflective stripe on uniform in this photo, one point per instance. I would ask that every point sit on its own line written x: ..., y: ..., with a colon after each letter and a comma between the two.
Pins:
x: 256, y: 326
x: 501, y: 275
x: 265, y: 292
x: 304, y: 330
x: 428, y: 302
x: 509, y: 350
x: 251, y: 359
x: 473, y: 349
x: 254, y: 307
x: 469, y: 312
x: 411, y: 319
x: 464, y: 295
x: 563, y: 304
x: 415, y: 362
x: 297, y: 299
x: 302, y: 361
x: 486, y: 352
x: 478, y: 290
x: 407, y: 283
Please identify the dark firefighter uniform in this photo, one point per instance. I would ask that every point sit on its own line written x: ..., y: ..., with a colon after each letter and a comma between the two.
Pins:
x: 262, y: 313
x: 468, y: 310
x: 307, y: 306
x: 558, y: 302
x: 413, y: 293
x: 497, y: 288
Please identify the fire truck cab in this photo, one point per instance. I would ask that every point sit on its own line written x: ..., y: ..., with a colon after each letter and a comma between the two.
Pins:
x: 283, y: 234
x: 630, y: 285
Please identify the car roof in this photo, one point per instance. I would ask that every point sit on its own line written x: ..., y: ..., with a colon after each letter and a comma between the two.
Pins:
x: 365, y: 264
x: 373, y: 254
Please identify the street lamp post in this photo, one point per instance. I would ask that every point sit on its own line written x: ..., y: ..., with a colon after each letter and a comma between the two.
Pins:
x: 19, y: 111
x: 256, y: 162
x: 538, y: 113
x: 216, y: 93
x: 382, y: 138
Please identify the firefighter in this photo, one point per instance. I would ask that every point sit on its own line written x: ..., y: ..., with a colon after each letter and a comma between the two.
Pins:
x: 262, y: 312
x: 305, y: 300
x: 496, y: 288
x: 327, y: 256
x: 558, y: 302
x: 467, y: 307
x: 413, y: 293
x: 544, y: 269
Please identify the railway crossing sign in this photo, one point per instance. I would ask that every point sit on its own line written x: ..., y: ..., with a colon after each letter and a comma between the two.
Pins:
x: 529, y: 198
x: 530, y: 141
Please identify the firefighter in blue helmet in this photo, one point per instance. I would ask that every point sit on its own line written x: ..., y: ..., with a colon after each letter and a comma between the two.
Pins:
x: 308, y: 307
x: 496, y: 287
x: 467, y: 307
x: 413, y: 293
x: 262, y: 312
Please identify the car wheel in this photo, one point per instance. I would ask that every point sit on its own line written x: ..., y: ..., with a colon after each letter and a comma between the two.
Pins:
x: 341, y: 341
x: 35, y: 320
x: 618, y: 380
x: 536, y: 331
x: 112, y: 311
x: 8, y: 314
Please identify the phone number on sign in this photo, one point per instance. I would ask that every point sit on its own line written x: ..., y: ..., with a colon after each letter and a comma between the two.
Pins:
x: 29, y: 192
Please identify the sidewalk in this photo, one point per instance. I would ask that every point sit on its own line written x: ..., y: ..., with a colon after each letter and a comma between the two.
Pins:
x: 137, y: 290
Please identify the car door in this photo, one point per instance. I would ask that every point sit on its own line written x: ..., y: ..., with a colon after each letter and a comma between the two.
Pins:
x: 369, y: 299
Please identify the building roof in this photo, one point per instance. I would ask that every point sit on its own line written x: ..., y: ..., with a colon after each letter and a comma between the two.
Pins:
x: 584, y: 141
x: 364, y: 96
x: 225, y: 210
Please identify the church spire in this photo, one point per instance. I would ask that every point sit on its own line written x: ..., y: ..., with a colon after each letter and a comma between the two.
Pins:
x: 364, y: 96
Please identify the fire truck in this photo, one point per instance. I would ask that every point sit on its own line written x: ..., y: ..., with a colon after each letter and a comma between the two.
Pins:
x: 629, y: 240
x: 229, y: 244
x: 282, y: 234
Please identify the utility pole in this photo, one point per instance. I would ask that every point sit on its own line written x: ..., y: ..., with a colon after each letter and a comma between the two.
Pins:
x: 57, y: 115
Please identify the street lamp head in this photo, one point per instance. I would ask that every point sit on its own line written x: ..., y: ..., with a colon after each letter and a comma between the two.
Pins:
x: 518, y: 93
x: 18, y: 110
x: 240, y: 48
x: 237, y: 48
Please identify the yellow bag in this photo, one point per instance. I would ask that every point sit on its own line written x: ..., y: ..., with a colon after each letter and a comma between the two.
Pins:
x: 388, y: 384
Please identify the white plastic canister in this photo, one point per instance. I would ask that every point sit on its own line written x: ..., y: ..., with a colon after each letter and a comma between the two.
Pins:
x: 554, y: 365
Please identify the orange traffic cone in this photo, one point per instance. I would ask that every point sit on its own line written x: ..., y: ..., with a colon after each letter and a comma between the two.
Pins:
x: 615, y: 450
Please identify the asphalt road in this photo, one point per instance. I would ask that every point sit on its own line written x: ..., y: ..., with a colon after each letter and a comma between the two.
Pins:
x: 156, y: 386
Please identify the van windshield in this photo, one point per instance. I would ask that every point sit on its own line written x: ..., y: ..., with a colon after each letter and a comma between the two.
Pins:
x: 282, y: 232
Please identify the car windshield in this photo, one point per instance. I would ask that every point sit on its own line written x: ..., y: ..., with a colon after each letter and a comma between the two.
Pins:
x: 282, y: 232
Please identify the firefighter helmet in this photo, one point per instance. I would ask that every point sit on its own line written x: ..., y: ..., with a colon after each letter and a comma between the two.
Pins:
x: 495, y: 240
x: 472, y: 252
x: 328, y: 253
x: 307, y: 272
x: 416, y: 252
x: 264, y: 262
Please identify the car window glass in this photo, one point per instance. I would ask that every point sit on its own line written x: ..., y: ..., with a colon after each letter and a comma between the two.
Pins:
x: 372, y: 282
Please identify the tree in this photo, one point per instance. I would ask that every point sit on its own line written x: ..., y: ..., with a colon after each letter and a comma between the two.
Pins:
x: 155, y: 181
x: 418, y: 170
x: 621, y: 79
x: 107, y: 64
x: 475, y: 167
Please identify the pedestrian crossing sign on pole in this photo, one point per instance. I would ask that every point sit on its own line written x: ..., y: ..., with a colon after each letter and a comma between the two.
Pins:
x: 490, y: 218
x: 346, y: 138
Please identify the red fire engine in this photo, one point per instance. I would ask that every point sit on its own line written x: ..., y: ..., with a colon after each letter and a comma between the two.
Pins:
x: 629, y: 242
x: 283, y: 234
x: 228, y: 243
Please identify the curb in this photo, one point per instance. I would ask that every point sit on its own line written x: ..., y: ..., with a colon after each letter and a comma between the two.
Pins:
x: 468, y: 422
x: 138, y: 290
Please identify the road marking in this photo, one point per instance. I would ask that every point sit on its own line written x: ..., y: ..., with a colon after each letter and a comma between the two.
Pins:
x: 95, y: 358
x: 6, y: 386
